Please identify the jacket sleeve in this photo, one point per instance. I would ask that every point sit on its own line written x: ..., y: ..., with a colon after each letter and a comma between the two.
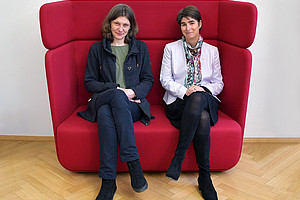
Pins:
x: 145, y: 77
x: 92, y: 81
x: 167, y: 79
x: 216, y: 84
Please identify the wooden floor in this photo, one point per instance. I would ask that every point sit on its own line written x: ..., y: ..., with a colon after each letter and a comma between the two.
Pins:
x: 30, y: 170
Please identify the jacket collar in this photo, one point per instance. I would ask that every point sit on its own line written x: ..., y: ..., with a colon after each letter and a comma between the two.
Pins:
x: 132, y: 46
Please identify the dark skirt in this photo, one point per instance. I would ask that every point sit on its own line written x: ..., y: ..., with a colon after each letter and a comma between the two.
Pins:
x: 174, y: 110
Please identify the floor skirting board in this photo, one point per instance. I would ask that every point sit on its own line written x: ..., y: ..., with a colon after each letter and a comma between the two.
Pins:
x: 272, y: 140
x: 246, y: 140
x: 26, y: 138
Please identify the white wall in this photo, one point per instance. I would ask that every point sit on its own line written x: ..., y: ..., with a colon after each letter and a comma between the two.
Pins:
x: 274, y: 103
x: 273, y: 109
x: 24, y: 105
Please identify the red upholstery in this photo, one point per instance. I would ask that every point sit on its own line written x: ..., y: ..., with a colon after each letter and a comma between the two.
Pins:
x: 70, y: 27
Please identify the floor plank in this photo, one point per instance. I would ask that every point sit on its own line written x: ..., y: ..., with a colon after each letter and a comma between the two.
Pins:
x: 267, y: 170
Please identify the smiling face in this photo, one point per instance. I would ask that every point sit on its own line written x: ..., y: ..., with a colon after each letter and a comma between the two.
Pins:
x: 190, y: 29
x: 119, y: 29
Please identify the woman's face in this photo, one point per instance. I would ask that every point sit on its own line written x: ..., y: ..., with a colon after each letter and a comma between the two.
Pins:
x: 190, y: 28
x: 120, y: 28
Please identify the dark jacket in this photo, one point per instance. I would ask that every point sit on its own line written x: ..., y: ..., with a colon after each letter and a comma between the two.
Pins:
x: 100, y: 74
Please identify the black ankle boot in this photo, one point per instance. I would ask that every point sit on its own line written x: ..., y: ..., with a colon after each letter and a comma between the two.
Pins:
x: 138, y: 181
x: 174, y: 168
x: 206, y: 187
x: 108, y: 189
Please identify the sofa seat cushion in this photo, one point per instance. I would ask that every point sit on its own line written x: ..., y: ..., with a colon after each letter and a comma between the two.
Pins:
x: 156, y: 143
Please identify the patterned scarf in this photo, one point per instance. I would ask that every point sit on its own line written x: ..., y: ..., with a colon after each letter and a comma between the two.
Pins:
x: 192, y: 54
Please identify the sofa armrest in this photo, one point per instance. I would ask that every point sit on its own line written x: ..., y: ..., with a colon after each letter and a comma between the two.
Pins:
x: 62, y: 83
x: 236, y: 71
x: 235, y: 27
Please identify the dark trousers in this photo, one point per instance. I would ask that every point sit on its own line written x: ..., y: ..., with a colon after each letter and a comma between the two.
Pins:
x: 195, y: 121
x: 115, y: 117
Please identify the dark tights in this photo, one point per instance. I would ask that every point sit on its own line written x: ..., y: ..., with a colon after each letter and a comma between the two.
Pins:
x: 195, y: 126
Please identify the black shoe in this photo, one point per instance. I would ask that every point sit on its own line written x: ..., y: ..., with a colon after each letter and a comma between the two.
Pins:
x: 206, y: 187
x: 138, y: 181
x: 108, y: 189
x: 174, y: 169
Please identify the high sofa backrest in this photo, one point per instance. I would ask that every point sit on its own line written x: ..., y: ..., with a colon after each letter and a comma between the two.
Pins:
x: 68, y: 29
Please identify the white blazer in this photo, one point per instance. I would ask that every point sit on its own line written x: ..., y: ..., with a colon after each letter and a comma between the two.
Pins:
x: 174, y: 70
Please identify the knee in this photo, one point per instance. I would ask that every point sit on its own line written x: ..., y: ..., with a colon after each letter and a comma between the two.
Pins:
x: 118, y: 96
x: 196, y: 98
x: 195, y: 104
x: 116, y: 93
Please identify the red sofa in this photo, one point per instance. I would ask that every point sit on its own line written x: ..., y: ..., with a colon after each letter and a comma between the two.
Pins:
x: 68, y: 29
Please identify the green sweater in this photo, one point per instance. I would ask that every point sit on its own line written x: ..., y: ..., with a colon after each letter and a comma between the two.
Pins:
x: 120, y: 52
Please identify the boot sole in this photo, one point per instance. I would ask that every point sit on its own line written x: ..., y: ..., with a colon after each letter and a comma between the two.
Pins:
x: 172, y: 177
x: 142, y: 189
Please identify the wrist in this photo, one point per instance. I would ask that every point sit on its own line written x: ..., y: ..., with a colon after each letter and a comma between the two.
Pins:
x: 132, y: 93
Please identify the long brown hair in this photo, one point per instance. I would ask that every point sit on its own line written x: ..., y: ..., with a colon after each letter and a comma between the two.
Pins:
x: 120, y: 10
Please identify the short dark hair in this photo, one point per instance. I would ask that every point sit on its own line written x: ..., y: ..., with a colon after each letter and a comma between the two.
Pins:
x: 120, y: 10
x: 189, y: 11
